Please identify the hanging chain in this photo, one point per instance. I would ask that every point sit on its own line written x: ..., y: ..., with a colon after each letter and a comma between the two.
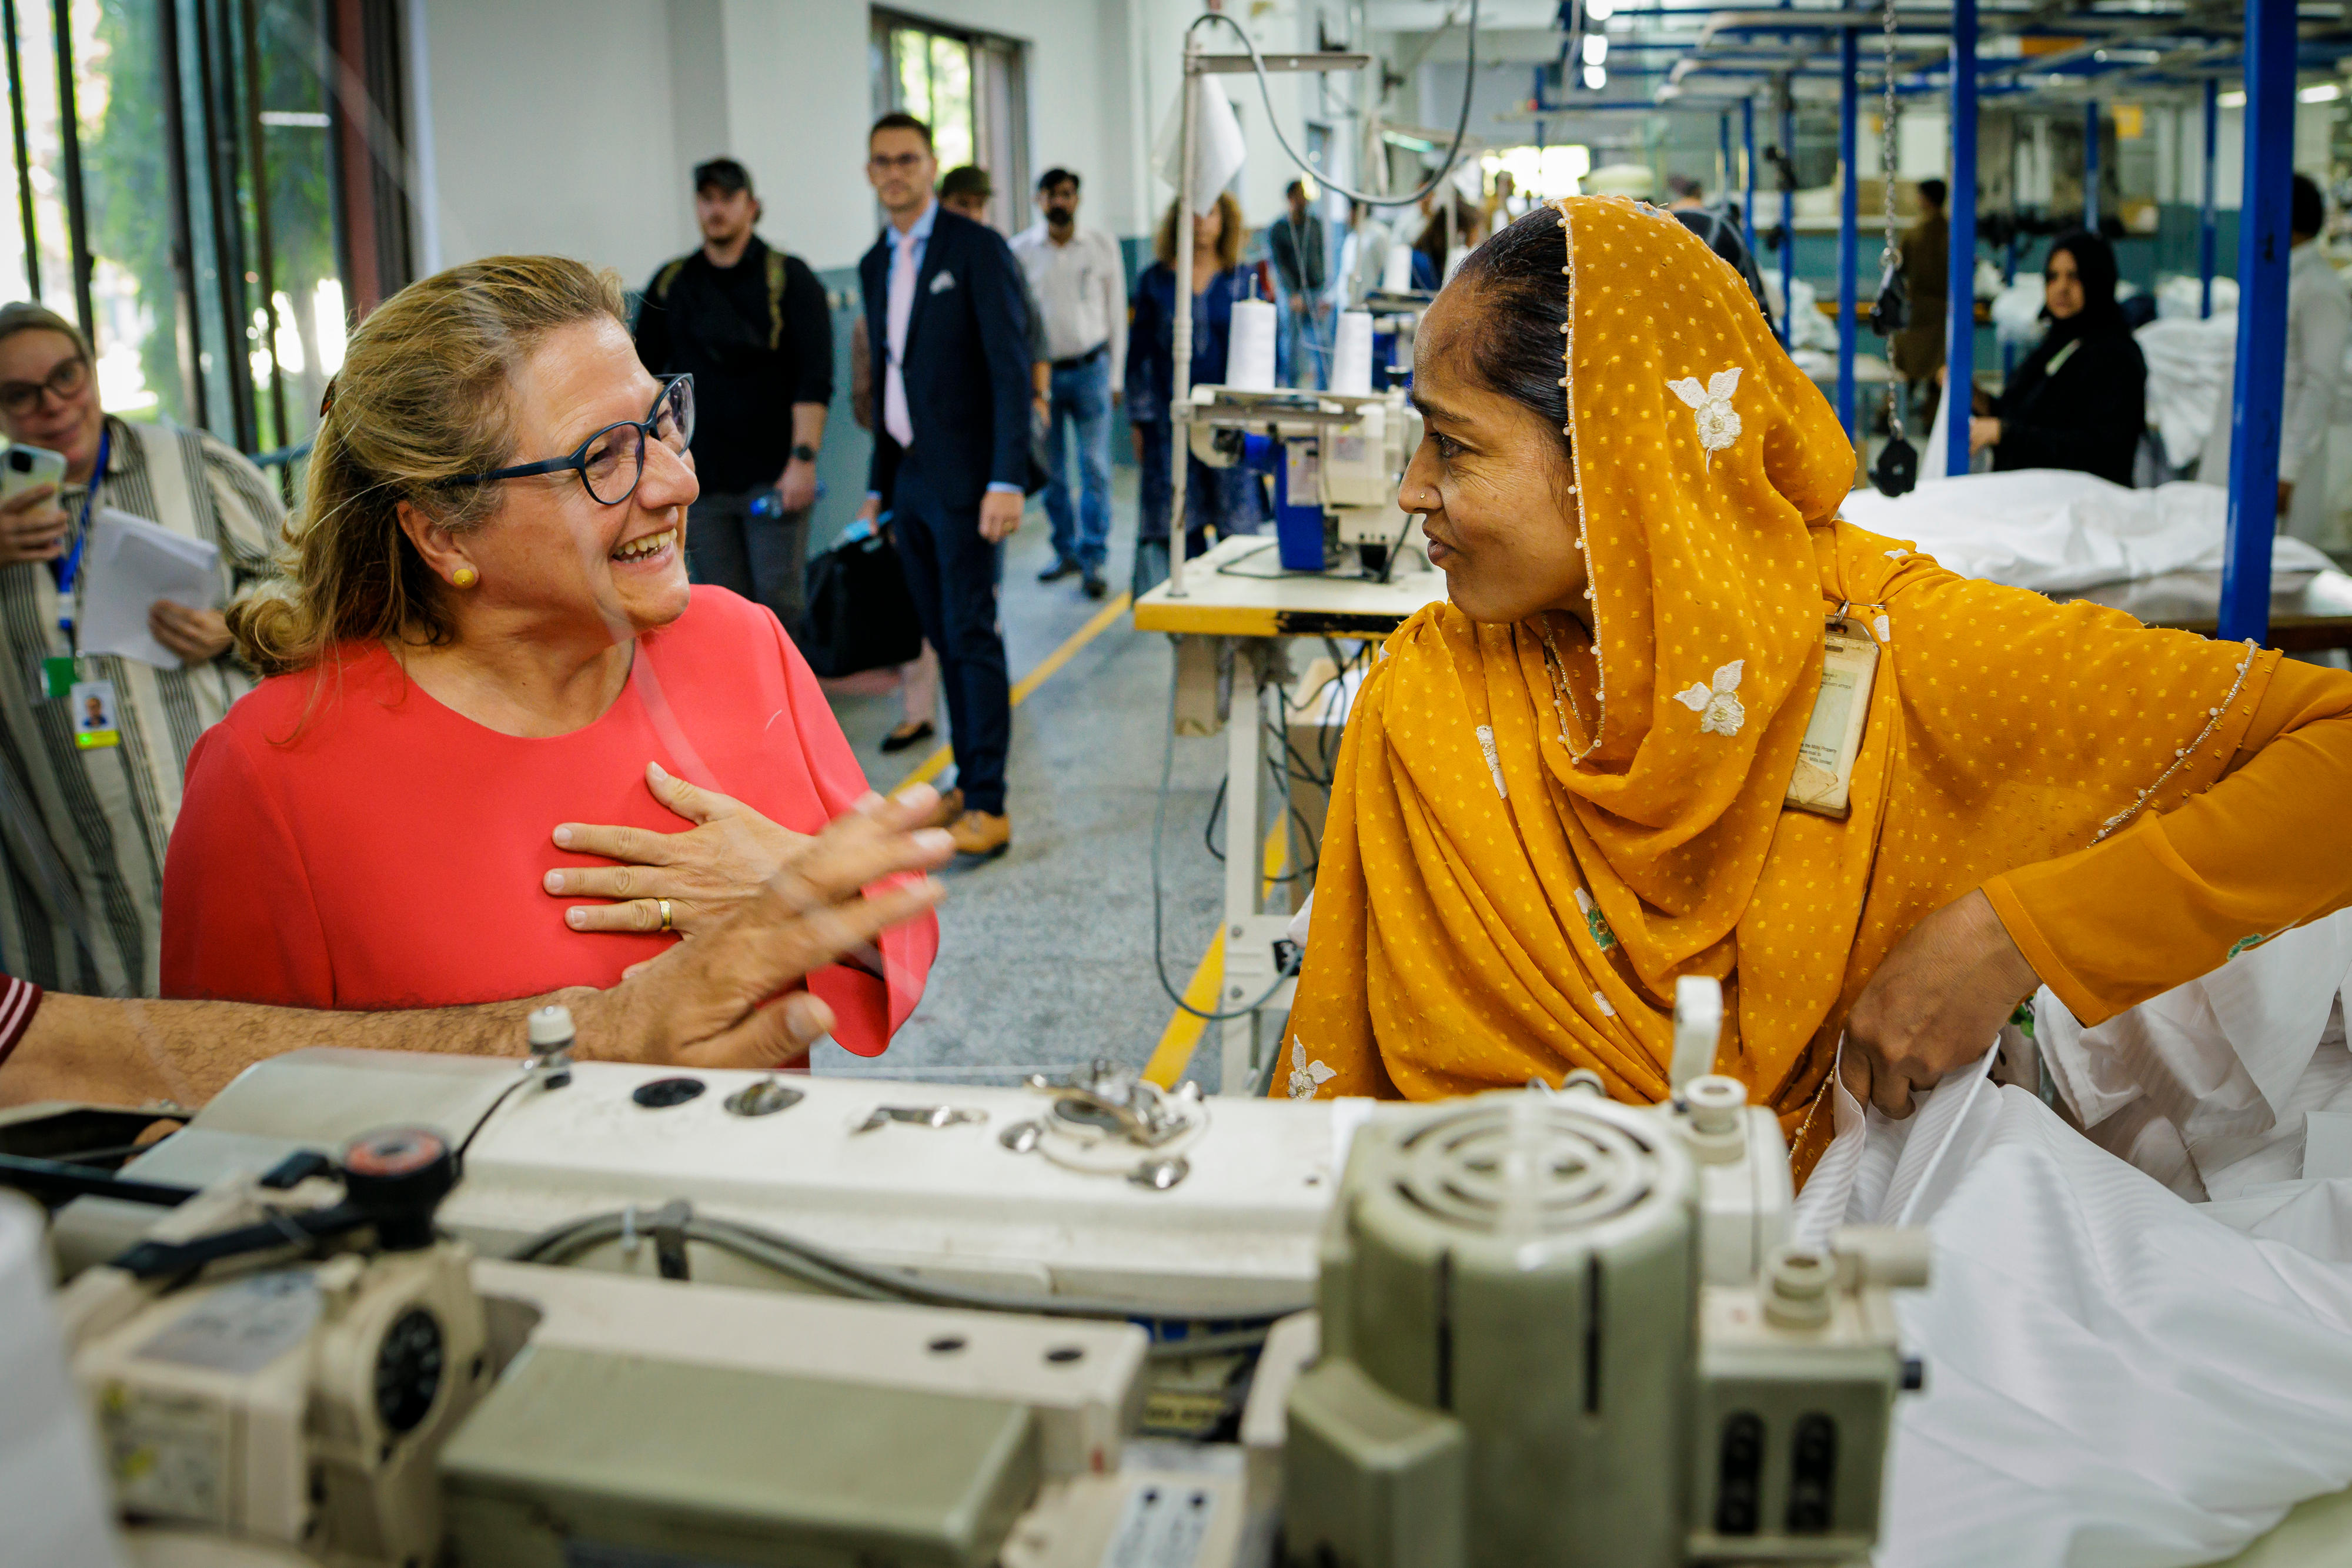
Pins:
x: 1892, y: 256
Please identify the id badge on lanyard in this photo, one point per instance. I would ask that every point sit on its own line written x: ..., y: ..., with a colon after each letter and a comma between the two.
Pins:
x: 61, y: 676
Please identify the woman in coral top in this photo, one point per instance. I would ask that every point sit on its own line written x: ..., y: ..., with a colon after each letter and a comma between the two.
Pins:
x: 486, y: 671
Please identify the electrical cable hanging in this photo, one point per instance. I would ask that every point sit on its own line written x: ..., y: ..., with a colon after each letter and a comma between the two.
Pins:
x: 1453, y: 153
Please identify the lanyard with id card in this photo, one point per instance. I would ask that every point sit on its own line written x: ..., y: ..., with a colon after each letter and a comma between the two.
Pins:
x: 91, y: 704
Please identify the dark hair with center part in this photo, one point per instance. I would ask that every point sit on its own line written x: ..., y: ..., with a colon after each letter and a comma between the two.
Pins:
x: 1515, y: 281
x: 1053, y: 177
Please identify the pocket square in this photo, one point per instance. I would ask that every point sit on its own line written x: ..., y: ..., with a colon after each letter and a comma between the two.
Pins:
x: 942, y: 283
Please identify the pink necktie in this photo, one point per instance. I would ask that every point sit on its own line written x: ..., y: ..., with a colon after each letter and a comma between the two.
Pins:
x: 895, y: 418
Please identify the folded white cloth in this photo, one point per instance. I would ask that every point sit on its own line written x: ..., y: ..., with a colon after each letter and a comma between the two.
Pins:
x: 2116, y: 1375
x: 2058, y: 531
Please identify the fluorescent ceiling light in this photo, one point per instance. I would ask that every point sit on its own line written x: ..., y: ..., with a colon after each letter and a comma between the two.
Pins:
x: 2232, y: 99
x: 1596, y: 76
x: 2325, y: 92
x: 1600, y: 10
x: 1596, y: 49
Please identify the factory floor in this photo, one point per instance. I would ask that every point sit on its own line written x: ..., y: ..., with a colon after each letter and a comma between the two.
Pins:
x: 1045, y: 958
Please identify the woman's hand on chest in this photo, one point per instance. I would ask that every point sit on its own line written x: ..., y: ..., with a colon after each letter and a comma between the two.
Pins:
x: 702, y: 872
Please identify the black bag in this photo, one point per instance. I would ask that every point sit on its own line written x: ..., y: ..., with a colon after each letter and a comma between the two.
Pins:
x: 860, y: 616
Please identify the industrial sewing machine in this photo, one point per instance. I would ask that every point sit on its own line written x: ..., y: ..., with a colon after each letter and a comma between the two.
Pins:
x: 1335, y: 460
x: 600, y: 1314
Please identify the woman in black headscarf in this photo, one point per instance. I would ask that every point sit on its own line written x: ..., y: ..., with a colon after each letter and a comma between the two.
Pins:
x: 2080, y: 400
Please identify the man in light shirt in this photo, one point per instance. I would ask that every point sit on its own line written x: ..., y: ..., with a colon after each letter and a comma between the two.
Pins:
x: 1363, y: 254
x: 1079, y: 282
x: 2319, y: 322
x: 2318, y: 328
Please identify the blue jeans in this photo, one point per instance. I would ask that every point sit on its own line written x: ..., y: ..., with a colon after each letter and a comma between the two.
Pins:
x: 1230, y: 500
x: 1080, y: 402
x: 1303, y: 345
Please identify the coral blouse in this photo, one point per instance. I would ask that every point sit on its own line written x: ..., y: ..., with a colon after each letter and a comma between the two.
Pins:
x: 384, y: 852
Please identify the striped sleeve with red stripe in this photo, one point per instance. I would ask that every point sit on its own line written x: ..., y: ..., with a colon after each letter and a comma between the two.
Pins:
x: 19, y: 1000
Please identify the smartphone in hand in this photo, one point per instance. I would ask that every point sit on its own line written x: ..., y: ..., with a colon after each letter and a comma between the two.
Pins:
x: 24, y: 467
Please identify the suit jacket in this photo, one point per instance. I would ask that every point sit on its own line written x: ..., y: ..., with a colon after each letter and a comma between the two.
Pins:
x: 966, y: 364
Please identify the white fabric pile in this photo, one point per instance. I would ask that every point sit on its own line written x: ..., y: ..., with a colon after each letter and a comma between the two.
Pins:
x: 2117, y: 1376
x: 2057, y: 531
x: 1808, y: 328
x: 2191, y: 373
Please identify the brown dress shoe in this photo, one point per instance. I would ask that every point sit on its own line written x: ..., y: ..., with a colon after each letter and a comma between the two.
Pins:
x: 981, y: 833
x: 950, y: 809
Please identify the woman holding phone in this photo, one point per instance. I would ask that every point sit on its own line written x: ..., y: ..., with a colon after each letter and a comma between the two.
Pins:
x: 84, y: 811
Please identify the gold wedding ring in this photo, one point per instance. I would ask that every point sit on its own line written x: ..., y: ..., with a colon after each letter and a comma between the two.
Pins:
x: 665, y: 909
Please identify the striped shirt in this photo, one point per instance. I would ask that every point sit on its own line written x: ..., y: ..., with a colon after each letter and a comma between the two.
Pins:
x: 82, y: 832
x: 19, y: 1000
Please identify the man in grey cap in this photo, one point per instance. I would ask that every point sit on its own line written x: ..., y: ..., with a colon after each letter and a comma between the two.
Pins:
x: 748, y: 323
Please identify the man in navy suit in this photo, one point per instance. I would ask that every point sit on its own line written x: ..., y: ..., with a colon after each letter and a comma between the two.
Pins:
x: 946, y: 327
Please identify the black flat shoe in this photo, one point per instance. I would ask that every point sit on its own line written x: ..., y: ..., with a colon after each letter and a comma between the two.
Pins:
x: 1058, y: 570
x: 1095, y: 587
x: 905, y: 736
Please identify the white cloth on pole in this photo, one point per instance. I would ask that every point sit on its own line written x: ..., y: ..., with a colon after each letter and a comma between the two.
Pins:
x: 1218, y: 147
x: 2055, y: 530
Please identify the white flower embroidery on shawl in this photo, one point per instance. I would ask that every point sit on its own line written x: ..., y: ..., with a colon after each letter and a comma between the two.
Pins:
x: 1719, y: 421
x: 1494, y: 760
x: 1719, y: 710
x: 1307, y: 1077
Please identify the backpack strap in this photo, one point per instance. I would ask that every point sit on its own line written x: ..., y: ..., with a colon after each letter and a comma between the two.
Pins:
x: 775, y: 298
x: 667, y: 277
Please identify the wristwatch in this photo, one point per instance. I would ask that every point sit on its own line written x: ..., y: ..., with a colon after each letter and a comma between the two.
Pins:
x: 804, y: 452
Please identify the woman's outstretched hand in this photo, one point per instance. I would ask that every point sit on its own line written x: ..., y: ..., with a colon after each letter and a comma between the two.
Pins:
x: 1934, y: 1005
x: 704, y: 871
x: 707, y: 1003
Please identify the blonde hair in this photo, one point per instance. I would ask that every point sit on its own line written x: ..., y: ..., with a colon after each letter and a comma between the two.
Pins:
x: 1229, y: 235
x: 422, y: 398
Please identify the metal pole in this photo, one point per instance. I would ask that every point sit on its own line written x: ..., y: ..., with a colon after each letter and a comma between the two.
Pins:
x: 2091, y: 165
x: 1747, y: 169
x: 2262, y: 239
x: 1788, y: 216
x: 1960, y: 286
x: 1849, y: 221
x: 1180, y: 447
x: 23, y: 157
x: 69, y: 154
x: 1723, y: 150
x: 2205, y: 216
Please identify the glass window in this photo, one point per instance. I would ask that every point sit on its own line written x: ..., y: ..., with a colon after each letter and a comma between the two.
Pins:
x: 968, y: 88
x: 127, y: 199
x: 172, y: 182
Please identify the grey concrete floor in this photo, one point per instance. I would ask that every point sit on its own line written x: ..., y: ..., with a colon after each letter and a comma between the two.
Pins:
x: 1045, y: 952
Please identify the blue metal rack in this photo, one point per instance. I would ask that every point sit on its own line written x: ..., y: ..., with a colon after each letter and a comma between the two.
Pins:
x: 2263, y: 241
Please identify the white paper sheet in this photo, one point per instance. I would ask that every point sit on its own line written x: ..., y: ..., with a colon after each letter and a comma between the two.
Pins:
x: 129, y: 564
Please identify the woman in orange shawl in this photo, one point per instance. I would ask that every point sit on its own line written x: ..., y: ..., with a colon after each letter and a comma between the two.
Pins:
x: 1564, y: 789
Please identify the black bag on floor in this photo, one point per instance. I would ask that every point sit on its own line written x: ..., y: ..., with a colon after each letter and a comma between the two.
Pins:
x: 860, y: 616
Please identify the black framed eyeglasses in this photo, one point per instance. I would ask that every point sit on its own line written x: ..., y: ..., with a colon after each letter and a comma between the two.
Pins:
x: 65, y: 379
x: 611, y: 462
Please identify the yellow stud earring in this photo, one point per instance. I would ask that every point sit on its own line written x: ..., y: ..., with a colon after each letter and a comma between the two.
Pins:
x: 465, y: 577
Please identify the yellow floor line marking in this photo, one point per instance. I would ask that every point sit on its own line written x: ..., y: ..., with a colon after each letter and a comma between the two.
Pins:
x: 1183, y: 1035
x: 934, y: 765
